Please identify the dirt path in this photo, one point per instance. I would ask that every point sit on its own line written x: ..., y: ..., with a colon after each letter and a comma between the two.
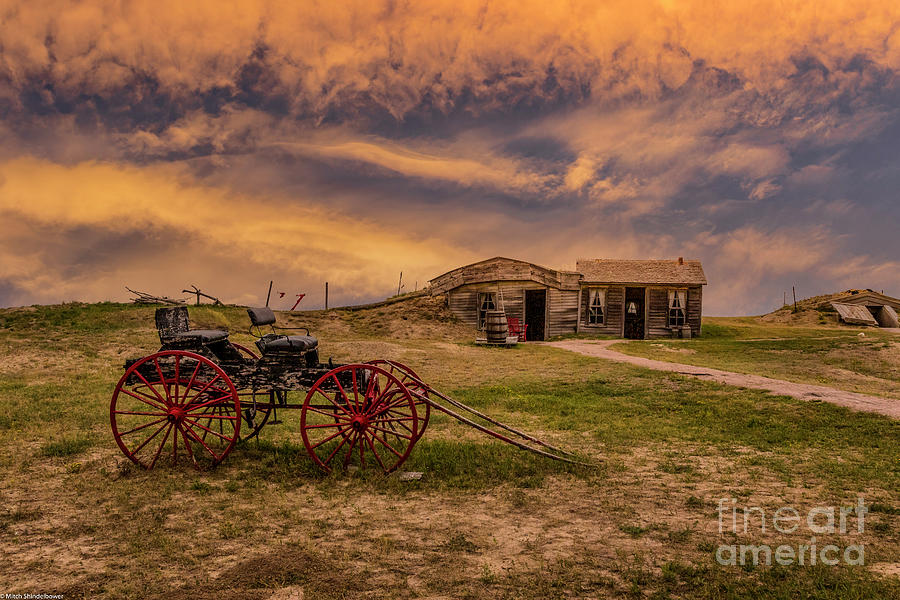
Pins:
x: 802, y: 391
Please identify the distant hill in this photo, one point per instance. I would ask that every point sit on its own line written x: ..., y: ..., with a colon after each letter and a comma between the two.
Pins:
x: 411, y: 316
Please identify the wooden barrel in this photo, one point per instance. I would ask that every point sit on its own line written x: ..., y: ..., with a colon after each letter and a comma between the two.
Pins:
x: 496, y: 326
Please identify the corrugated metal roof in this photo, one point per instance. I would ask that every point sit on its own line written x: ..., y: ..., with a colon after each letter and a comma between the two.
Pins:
x: 605, y: 270
x: 855, y: 314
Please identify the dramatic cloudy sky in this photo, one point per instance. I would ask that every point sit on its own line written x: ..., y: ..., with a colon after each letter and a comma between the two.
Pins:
x: 160, y: 144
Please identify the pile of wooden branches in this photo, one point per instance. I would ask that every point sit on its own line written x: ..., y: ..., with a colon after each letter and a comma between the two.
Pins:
x: 145, y: 298
x: 196, y: 291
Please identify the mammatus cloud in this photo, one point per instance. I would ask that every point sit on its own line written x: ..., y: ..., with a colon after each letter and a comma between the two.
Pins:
x: 376, y: 59
x: 347, y: 142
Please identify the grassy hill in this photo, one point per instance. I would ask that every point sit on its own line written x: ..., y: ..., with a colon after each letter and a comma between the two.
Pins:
x: 485, y: 521
x: 815, y: 310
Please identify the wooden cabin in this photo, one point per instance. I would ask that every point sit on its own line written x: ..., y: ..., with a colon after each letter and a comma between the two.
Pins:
x: 628, y: 298
x: 546, y: 300
x: 641, y: 299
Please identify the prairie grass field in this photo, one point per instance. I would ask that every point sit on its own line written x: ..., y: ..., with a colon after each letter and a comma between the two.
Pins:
x: 831, y: 355
x: 485, y: 520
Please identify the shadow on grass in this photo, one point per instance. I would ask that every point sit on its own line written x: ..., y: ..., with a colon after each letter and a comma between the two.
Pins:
x: 444, y: 464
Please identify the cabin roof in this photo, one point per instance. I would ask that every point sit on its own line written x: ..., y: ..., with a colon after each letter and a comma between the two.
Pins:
x: 598, y: 270
x: 608, y: 270
x: 501, y: 268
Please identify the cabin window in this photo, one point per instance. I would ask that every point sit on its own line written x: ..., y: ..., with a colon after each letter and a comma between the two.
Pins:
x: 486, y: 301
x: 677, y: 308
x: 596, y: 306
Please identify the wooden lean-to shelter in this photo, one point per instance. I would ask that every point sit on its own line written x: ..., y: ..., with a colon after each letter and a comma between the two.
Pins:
x: 628, y: 298
x: 865, y: 307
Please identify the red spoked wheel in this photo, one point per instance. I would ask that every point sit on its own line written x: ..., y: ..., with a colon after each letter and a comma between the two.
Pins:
x: 359, y: 415
x: 175, y: 399
x: 411, y: 380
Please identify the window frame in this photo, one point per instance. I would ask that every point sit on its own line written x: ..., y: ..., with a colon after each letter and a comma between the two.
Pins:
x: 483, y: 297
x: 677, y: 296
x: 592, y: 310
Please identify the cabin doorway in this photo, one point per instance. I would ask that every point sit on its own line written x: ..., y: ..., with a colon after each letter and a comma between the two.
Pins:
x: 535, y: 313
x: 634, y: 313
x: 884, y: 314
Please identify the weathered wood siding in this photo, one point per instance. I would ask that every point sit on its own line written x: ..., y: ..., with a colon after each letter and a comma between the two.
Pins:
x: 658, y: 312
x: 615, y: 312
x: 463, y: 301
x: 695, y: 309
x: 562, y: 312
x: 615, y: 309
x: 657, y: 324
x: 560, y: 316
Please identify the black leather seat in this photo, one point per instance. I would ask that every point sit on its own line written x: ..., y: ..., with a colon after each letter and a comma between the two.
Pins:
x: 275, y: 342
x: 174, y: 329
x: 206, y: 336
x: 287, y: 343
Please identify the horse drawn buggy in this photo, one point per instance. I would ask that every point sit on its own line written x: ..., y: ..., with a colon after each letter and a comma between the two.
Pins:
x: 201, y: 394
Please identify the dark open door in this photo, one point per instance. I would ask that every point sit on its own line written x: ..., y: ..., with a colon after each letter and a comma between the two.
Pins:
x: 535, y: 309
x: 634, y: 313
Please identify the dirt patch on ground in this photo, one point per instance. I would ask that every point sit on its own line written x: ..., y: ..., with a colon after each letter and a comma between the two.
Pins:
x: 665, y: 348
x: 887, y: 569
x: 344, y: 540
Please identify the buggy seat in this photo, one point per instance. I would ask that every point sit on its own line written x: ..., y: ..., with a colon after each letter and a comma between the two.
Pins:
x: 174, y: 329
x: 275, y: 342
x: 204, y: 336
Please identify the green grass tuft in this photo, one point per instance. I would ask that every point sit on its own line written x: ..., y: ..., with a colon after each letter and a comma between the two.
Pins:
x: 66, y: 446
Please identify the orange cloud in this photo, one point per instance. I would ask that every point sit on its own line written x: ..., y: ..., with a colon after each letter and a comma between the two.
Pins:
x: 440, y: 164
x: 206, y: 229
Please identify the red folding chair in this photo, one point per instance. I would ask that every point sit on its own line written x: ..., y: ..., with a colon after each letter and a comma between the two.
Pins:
x: 517, y: 328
